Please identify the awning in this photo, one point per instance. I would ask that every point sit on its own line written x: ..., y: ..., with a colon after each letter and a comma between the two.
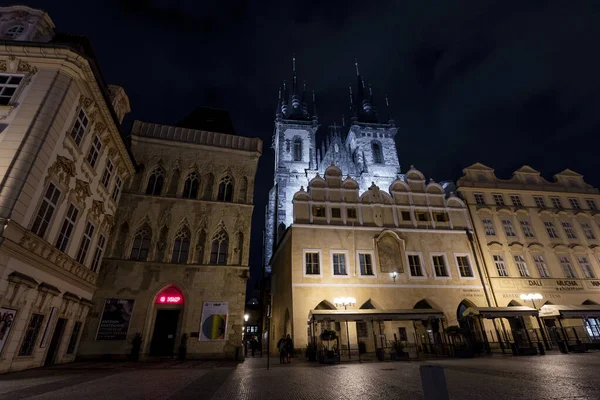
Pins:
x: 564, y: 311
x: 377, y: 315
x: 501, y: 312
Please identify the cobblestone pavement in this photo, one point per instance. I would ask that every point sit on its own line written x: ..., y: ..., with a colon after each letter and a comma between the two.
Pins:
x: 572, y: 376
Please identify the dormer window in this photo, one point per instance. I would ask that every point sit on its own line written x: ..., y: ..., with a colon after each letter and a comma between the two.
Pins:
x: 15, y: 31
x: 8, y: 86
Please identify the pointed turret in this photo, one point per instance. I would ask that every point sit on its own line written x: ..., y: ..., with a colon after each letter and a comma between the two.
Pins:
x: 296, y: 107
x: 363, y: 105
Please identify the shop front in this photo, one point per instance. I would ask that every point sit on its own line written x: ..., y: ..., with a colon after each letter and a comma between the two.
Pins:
x: 576, y: 325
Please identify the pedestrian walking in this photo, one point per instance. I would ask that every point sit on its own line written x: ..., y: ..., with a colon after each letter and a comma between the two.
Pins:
x: 281, y: 346
x: 289, y: 344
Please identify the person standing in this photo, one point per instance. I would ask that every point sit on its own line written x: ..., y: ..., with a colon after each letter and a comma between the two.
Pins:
x: 289, y: 344
x: 281, y: 346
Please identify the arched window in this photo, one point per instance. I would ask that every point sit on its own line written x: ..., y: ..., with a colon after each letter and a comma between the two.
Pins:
x: 141, y: 243
x: 377, y: 154
x: 191, y: 186
x: 181, y: 246
x: 155, y: 182
x: 174, y: 184
x: 200, y: 246
x: 297, y: 149
x: 208, y: 187
x: 243, y: 190
x: 225, y: 189
x: 218, y: 251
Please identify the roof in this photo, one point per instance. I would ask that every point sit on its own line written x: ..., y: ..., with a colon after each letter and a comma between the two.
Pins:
x: 377, y: 315
x: 564, y: 311
x: 208, y: 119
x: 501, y: 312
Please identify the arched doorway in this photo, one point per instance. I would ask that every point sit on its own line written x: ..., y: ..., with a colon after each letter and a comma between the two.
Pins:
x: 427, y: 331
x: 168, y: 304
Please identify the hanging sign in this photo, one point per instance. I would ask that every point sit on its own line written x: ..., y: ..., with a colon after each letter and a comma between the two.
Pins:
x: 213, y: 324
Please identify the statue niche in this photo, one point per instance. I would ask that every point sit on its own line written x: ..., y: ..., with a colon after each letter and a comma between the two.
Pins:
x: 390, y: 251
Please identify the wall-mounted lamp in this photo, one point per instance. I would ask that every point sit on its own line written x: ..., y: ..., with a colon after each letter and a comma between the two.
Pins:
x: 246, y: 316
x: 344, y: 301
x: 394, y: 275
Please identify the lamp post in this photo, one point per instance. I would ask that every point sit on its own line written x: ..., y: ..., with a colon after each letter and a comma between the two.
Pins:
x: 533, y: 297
x: 345, y: 302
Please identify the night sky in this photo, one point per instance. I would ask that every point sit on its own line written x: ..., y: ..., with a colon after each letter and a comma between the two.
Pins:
x: 502, y: 83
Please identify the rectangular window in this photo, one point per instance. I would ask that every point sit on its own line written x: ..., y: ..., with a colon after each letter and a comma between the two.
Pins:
x: 312, y: 263
x: 117, y: 189
x: 569, y: 230
x: 414, y: 263
x: 526, y: 228
x: 479, y: 198
x: 8, y: 87
x: 107, y: 173
x: 588, y: 271
x: 539, y: 201
x: 318, y: 211
x: 500, y: 266
x: 67, y: 228
x: 336, y: 213
x: 556, y: 202
x: 98, y: 253
x: 31, y: 334
x: 79, y: 127
x: 339, y: 264
x: 422, y: 216
x: 44, y: 214
x: 366, y: 263
x: 591, y: 203
x: 509, y: 230
x: 521, y: 265
x: 406, y: 216
x: 587, y: 229
x: 94, y: 152
x: 439, y: 266
x: 74, y: 337
x: 499, y: 199
x: 574, y: 203
x: 551, y: 230
x: 516, y: 200
x: 540, y: 265
x: 85, y: 243
x: 441, y: 217
x: 567, y: 267
x: 488, y: 226
x: 464, y: 267
x: 351, y: 213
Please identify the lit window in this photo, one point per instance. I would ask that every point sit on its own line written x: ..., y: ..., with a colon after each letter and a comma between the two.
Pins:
x: 499, y: 199
x: 225, y: 189
x: 108, y: 170
x: 500, y: 265
x: 587, y: 229
x: 311, y: 260
x: 574, y: 203
x: 191, y: 186
x: 464, y: 267
x: 117, y: 188
x: 588, y: 271
x: 336, y: 213
x: 509, y: 230
x: 539, y: 201
x: 552, y: 233
x: 479, y: 199
x: 351, y: 213
x: 84, y: 246
x: 181, y: 246
x: 219, y: 248
x: 414, y: 263
x: 556, y: 202
x: 526, y: 228
x: 521, y: 265
x: 80, y: 126
x: 44, y: 214
x: 94, y: 152
x: 14, y: 31
x: 565, y: 263
x: 8, y: 87
x: 591, y: 203
x: 439, y: 265
x: 67, y: 228
x: 155, y: 182
x: 541, y: 266
x: 141, y: 244
x: 366, y: 263
x: 488, y: 226
x: 516, y: 200
x: 339, y: 264
x: 318, y: 211
x: 569, y: 230
x: 98, y: 253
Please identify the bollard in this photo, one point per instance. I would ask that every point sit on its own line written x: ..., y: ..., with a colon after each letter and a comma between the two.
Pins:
x: 433, y: 381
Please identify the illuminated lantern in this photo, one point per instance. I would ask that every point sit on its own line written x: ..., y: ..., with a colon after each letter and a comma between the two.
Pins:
x: 170, y: 295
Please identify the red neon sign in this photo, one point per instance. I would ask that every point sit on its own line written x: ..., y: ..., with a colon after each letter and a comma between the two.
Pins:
x: 170, y: 295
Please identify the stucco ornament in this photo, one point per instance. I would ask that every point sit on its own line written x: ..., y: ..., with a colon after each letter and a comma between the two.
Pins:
x: 62, y: 169
x: 390, y: 254
x: 81, y: 190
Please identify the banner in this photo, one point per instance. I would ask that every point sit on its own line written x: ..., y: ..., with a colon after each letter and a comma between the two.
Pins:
x: 49, y: 325
x: 7, y: 318
x: 115, y: 319
x: 213, y: 324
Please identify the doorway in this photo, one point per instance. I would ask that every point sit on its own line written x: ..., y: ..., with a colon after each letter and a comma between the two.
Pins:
x: 165, y: 332
x: 55, y: 342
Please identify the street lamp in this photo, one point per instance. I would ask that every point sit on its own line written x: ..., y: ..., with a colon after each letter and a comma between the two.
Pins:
x: 533, y: 297
x: 246, y: 316
x: 345, y: 302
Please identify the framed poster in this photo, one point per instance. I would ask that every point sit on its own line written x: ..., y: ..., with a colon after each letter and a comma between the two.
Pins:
x: 7, y: 318
x: 49, y: 325
x: 213, y: 325
x: 114, y: 323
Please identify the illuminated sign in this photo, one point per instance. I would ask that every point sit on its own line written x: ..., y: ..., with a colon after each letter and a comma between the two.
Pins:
x: 170, y: 295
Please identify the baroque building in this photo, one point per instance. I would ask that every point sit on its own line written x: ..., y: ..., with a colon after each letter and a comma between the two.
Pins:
x: 62, y: 166
x: 178, y: 260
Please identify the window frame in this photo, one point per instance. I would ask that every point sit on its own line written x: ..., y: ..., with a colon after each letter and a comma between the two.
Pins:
x: 117, y: 188
x: 529, y: 228
x: 79, y: 119
x: 508, y: 224
x: 318, y: 251
x: 18, y: 87
x: 479, y: 198
x: 490, y: 225
x: 107, y: 175
x: 41, y: 201
x: 549, y: 225
x: 181, y: 236
x: 569, y: 230
x: 540, y: 201
x: 446, y: 265
x: 98, y: 253
x: 537, y: 266
x: 498, y: 199
x: 470, y: 261
x: 67, y: 220
x: 556, y: 202
x: 522, y: 260
x: 346, y: 254
x: 373, y: 263
x: 567, y: 262
x: 574, y: 203
x: 93, y: 155
x: 297, y: 155
x: 419, y: 255
x: 90, y: 238
x: 588, y: 231
x: 518, y: 202
x: 503, y: 261
x: 589, y: 264
x: 351, y: 210
x: 591, y: 204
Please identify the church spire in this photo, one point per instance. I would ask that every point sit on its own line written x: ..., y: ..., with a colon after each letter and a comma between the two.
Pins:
x: 363, y: 109
x: 278, y: 108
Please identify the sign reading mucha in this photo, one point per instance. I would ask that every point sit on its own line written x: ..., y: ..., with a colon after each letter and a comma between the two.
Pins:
x: 390, y: 251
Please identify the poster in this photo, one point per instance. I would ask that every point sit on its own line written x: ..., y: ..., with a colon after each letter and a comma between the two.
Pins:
x: 49, y: 325
x: 7, y: 318
x: 115, y: 319
x: 213, y: 324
